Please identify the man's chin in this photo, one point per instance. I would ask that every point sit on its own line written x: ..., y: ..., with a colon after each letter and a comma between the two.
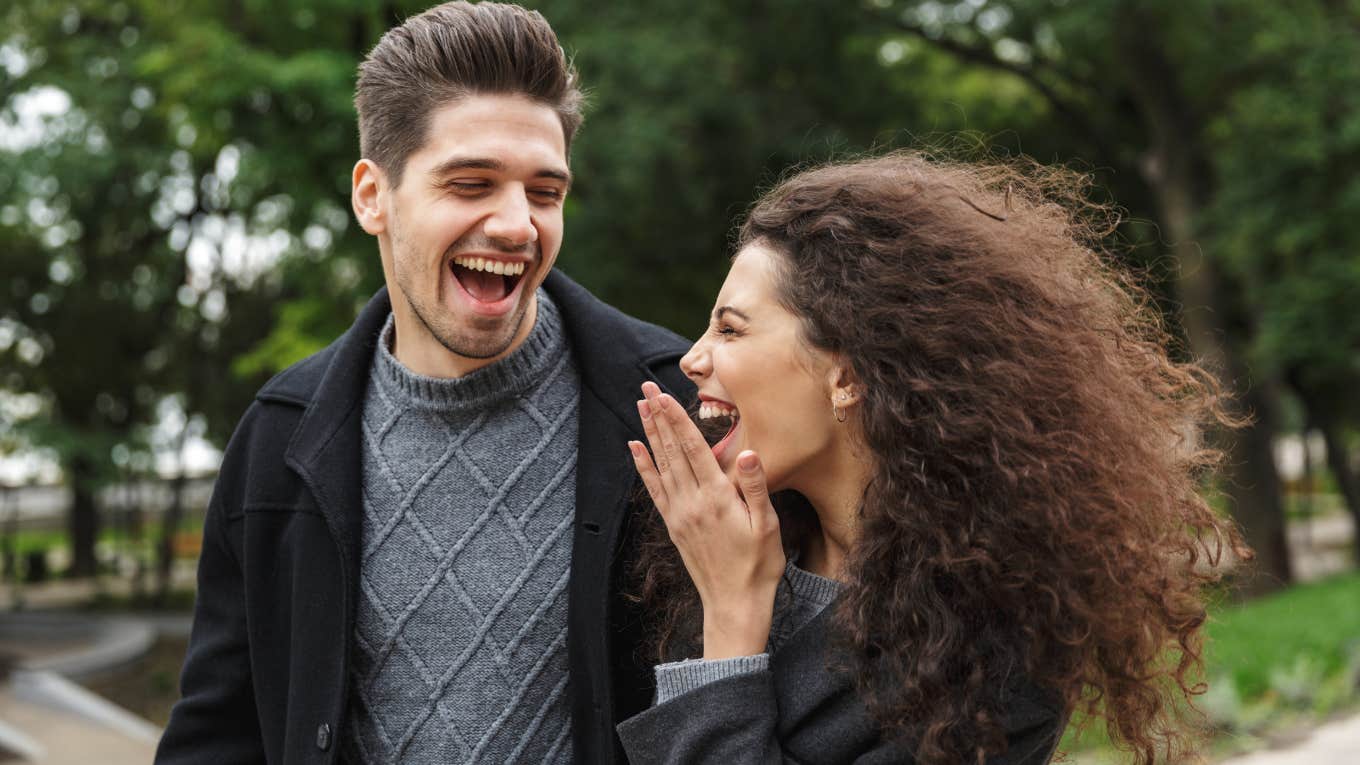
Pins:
x: 483, y: 339
x: 470, y: 346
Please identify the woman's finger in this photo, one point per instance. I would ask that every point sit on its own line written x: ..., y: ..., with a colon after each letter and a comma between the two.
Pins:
x: 751, y: 477
x: 677, y: 464
x: 650, y: 478
x: 653, y: 439
x: 696, y: 451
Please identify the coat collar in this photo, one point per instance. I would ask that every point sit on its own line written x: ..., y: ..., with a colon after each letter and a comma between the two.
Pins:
x: 615, y: 353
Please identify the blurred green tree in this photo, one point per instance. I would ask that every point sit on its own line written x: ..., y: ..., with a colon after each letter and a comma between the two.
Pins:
x: 1148, y: 90
x: 1286, y: 219
x: 126, y: 242
x: 188, y: 216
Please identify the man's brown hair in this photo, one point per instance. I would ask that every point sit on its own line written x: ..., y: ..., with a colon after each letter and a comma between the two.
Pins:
x: 448, y: 53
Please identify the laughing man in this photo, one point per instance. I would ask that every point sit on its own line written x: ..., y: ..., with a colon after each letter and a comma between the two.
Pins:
x: 411, y: 550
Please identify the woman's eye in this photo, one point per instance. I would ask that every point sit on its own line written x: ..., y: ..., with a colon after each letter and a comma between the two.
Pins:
x: 725, y: 331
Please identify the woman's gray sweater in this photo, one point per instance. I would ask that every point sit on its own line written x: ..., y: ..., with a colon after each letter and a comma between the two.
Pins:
x: 788, y: 706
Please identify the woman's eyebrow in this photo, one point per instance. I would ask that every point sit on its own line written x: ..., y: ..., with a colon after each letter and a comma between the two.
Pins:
x: 720, y: 311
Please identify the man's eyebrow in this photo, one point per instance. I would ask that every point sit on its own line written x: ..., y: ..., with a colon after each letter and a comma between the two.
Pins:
x: 453, y: 165
x: 720, y: 311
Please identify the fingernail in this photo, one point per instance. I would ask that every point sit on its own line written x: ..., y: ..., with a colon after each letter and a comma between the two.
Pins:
x: 635, y: 448
x: 644, y: 410
x: 747, y: 461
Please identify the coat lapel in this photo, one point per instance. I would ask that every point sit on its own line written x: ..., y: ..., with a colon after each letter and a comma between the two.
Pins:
x: 327, y: 448
x: 613, y: 364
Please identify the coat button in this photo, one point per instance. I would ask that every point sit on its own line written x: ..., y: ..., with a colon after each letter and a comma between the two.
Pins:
x: 323, y: 737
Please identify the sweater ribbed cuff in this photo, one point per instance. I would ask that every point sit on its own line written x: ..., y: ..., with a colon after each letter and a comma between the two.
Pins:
x: 677, y: 677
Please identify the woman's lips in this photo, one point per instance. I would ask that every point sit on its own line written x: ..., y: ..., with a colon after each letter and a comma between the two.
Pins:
x: 721, y: 447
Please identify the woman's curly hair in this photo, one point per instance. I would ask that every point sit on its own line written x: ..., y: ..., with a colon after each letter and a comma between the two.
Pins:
x: 1035, y: 506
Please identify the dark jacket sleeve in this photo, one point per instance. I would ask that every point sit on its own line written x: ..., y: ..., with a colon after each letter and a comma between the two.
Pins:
x: 729, y: 721
x: 734, y: 721
x: 215, y: 719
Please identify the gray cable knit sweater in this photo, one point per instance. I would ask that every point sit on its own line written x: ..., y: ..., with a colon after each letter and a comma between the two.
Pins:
x: 469, y: 489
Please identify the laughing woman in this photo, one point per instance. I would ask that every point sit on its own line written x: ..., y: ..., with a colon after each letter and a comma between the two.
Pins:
x: 1001, y: 467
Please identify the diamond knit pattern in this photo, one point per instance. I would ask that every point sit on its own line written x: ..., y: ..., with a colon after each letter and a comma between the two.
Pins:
x: 469, y: 496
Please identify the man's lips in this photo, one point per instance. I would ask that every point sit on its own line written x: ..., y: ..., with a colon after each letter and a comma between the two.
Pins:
x: 490, y: 308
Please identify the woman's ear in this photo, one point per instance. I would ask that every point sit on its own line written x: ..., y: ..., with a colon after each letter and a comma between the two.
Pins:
x: 845, y: 390
x: 368, y: 187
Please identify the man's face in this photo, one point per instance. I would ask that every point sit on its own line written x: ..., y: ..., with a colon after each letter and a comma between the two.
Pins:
x: 472, y: 231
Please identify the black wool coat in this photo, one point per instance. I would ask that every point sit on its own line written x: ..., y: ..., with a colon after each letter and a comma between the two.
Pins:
x: 266, y: 675
x: 803, y: 711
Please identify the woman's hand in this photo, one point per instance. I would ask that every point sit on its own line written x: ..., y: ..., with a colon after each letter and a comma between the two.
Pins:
x: 728, y: 540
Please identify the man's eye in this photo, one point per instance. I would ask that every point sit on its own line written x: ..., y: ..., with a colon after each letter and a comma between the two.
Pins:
x: 468, y: 187
x: 547, y: 195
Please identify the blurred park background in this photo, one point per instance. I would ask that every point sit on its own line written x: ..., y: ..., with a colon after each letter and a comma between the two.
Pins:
x: 175, y: 228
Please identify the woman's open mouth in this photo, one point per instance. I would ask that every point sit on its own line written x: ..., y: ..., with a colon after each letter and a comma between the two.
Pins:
x: 718, y: 422
x: 487, y: 281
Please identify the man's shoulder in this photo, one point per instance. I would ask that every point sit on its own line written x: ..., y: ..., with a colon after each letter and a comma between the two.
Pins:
x: 615, y: 351
x: 588, y: 317
x: 298, y: 383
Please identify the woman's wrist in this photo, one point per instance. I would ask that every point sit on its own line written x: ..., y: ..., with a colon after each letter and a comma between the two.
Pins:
x: 737, y: 631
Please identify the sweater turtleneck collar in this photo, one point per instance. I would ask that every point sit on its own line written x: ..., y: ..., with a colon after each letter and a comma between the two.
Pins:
x: 504, y: 379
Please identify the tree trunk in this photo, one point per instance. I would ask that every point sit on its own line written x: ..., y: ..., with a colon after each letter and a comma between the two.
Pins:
x: 1338, y: 461
x: 165, y: 557
x: 83, y: 523
x: 1177, y: 171
x: 1254, y: 488
x: 174, y: 515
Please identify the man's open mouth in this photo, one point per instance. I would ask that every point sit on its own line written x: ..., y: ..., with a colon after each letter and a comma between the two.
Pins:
x: 485, y: 279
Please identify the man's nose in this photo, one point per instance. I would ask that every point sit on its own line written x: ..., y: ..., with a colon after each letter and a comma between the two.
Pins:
x: 511, y: 221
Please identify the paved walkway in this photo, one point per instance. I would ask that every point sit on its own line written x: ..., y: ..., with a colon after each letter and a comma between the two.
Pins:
x: 1335, y: 743
x: 45, y: 718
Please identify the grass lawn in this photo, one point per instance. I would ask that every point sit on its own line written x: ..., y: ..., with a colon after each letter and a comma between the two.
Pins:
x: 55, y: 542
x: 1274, y: 663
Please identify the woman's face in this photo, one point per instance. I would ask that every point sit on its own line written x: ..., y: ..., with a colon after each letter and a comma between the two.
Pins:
x: 753, y: 369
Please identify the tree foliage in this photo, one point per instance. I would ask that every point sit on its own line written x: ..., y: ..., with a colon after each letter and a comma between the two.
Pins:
x: 184, y: 229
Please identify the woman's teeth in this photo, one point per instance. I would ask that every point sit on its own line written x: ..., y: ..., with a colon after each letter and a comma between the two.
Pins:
x: 494, y: 266
x: 709, y: 411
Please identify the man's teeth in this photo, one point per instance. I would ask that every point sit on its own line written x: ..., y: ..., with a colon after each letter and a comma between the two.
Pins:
x: 709, y: 411
x: 494, y: 266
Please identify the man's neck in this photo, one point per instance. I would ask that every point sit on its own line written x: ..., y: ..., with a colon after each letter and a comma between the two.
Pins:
x: 420, y: 352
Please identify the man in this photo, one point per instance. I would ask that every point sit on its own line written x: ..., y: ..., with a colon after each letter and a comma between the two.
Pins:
x: 412, y: 551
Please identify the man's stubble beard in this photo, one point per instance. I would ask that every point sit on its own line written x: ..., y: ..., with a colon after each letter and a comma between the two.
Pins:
x: 457, y: 340
x: 467, y: 344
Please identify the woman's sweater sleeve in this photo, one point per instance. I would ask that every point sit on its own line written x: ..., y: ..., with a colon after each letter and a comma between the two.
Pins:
x: 677, y: 677
x: 729, y: 721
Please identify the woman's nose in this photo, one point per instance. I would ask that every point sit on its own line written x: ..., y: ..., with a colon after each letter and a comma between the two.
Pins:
x: 695, y: 362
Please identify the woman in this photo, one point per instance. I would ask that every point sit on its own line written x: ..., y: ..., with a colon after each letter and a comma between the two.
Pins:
x: 1001, y: 467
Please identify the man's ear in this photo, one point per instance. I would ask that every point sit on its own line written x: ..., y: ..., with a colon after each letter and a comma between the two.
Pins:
x: 368, y: 196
